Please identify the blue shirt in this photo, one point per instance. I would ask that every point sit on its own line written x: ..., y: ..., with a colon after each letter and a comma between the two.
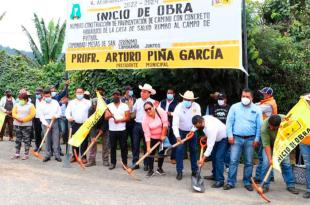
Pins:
x: 244, y: 121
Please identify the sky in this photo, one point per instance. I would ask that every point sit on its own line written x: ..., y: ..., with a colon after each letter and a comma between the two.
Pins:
x: 20, y: 12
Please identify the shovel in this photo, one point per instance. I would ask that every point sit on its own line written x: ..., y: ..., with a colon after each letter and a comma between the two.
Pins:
x: 130, y: 170
x: 67, y: 163
x: 94, y: 140
x: 37, y: 154
x: 198, y: 181
x: 259, y: 189
x: 169, y: 149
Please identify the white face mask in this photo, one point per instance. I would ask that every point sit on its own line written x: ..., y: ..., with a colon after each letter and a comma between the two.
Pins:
x: 221, y: 102
x: 245, y: 101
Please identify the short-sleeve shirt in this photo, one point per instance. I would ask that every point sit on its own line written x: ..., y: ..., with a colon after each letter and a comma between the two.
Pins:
x: 118, y: 113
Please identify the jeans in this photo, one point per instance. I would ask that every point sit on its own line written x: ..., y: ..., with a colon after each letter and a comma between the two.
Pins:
x: 259, y: 167
x: 120, y: 136
x: 192, y: 150
x: 227, y: 155
x: 137, y: 135
x: 286, y: 168
x: 172, y: 141
x: 241, y: 146
x: 305, y: 151
x: 218, y: 156
x: 63, y: 129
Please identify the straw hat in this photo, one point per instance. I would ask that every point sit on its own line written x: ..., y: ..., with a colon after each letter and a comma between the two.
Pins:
x: 188, y: 95
x: 148, y: 87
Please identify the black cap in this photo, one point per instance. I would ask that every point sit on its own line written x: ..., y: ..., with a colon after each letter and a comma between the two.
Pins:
x: 39, y: 90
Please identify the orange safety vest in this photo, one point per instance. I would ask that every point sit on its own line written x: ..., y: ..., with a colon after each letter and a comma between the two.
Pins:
x: 306, y: 141
x: 270, y: 101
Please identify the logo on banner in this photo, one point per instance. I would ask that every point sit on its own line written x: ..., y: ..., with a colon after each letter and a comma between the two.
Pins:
x: 221, y: 2
x: 75, y: 12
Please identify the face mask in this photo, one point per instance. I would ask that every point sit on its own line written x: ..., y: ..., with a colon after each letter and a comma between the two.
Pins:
x: 38, y: 96
x: 221, y: 102
x: 116, y: 100
x: 48, y: 100
x: 170, y: 96
x: 22, y: 102
x: 79, y: 96
x: 53, y: 94
x: 187, y: 104
x: 245, y: 101
x: 130, y: 93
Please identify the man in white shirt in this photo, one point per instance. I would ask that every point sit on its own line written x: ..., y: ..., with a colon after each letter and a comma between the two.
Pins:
x: 137, y: 133
x: 182, y: 125
x: 118, y: 114
x: 215, y: 131
x: 77, y: 114
x: 49, y: 110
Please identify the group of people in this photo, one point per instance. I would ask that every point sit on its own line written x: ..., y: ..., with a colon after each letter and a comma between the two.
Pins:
x: 231, y: 131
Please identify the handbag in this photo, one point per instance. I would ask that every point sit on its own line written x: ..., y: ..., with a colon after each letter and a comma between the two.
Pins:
x: 299, y: 171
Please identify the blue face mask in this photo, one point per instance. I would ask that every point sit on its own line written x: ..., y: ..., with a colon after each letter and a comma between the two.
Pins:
x: 170, y: 96
x: 53, y: 94
x: 187, y: 104
x: 48, y: 100
x: 130, y: 93
x: 79, y: 96
x: 38, y: 96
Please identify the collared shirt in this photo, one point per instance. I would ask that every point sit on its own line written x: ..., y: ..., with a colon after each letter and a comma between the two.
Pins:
x: 37, y: 105
x: 139, y: 109
x: 119, y: 114
x: 268, y: 136
x: 182, y: 117
x: 244, y: 120
x: 78, y: 110
x: 215, y: 130
x: 49, y: 110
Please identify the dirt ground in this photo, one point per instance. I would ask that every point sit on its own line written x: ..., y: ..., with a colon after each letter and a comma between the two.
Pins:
x: 34, y: 182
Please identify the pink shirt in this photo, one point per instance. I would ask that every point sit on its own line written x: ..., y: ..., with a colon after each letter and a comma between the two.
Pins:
x: 152, y: 127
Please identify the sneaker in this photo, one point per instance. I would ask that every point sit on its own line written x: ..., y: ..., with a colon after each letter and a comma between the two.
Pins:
x: 194, y: 174
x: 160, y: 171
x: 58, y: 159
x: 293, y: 190
x: 150, y: 173
x: 90, y: 164
x: 137, y: 167
x: 228, y: 187
x: 306, y: 195
x: 248, y: 187
x: 179, y: 176
x: 25, y: 157
x: 16, y: 156
x: 217, y: 185
x: 145, y: 168
x: 46, y: 159
x: 112, y: 166
x: 211, y: 177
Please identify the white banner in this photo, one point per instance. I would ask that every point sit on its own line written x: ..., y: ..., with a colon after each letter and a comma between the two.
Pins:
x: 108, y: 34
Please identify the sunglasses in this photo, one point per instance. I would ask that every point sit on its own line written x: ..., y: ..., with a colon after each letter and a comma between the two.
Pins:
x: 148, y: 109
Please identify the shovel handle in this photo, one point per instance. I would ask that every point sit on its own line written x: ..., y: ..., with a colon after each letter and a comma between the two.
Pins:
x: 91, y: 144
x: 267, y: 176
x: 148, y: 153
x: 46, y: 133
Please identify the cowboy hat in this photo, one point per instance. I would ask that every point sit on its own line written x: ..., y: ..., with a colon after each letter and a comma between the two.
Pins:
x: 307, y: 97
x: 188, y: 95
x: 147, y: 87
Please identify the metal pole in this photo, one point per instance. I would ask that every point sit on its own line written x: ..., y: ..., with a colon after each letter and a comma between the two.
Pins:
x: 245, y: 44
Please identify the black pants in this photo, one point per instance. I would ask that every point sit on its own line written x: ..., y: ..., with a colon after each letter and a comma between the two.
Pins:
x: 160, y: 154
x: 37, y: 126
x: 137, y: 135
x: 120, y: 136
x: 75, y: 127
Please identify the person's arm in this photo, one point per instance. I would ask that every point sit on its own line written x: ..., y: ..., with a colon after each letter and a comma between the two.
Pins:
x: 229, y: 124
x: 146, y: 130
x: 62, y: 93
x: 14, y: 112
x: 198, y: 109
x: 259, y: 118
x: 175, y: 123
x: 127, y: 116
x: 211, y: 134
x: 268, y: 153
x: 2, y: 104
x: 68, y: 112
x: 31, y: 114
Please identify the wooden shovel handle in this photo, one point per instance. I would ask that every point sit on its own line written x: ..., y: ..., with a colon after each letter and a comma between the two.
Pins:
x: 91, y: 144
x: 148, y: 153
x: 46, y: 133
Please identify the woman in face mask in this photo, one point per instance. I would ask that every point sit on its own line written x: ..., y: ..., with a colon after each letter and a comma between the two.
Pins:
x: 23, y: 112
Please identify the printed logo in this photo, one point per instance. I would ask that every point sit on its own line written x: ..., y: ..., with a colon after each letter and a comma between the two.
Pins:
x: 75, y: 12
x: 221, y: 2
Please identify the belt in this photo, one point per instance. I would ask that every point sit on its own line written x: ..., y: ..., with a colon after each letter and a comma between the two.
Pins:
x: 245, y: 137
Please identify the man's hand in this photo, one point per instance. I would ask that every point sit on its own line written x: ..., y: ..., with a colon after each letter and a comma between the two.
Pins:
x: 47, y: 126
x: 255, y: 144
x: 53, y: 118
x: 231, y: 140
x: 202, y: 161
x: 70, y: 119
x: 179, y: 140
x: 270, y: 162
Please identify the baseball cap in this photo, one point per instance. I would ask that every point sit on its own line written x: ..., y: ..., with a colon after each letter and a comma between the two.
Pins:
x: 267, y: 90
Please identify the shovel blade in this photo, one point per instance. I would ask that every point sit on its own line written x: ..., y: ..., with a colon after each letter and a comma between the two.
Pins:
x: 198, y: 184
x: 67, y: 163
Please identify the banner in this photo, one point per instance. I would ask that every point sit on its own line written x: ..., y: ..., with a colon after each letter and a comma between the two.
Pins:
x: 83, y: 131
x: 139, y: 34
x: 292, y: 131
x: 2, y: 118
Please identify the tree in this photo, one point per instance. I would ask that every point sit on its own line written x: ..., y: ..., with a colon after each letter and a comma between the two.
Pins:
x: 51, y: 40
